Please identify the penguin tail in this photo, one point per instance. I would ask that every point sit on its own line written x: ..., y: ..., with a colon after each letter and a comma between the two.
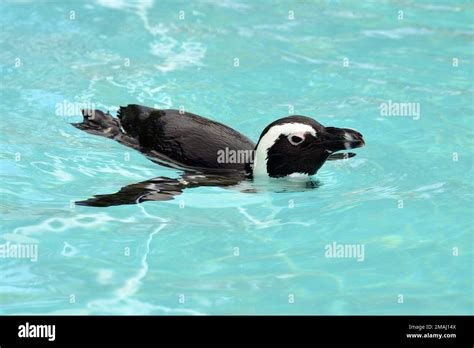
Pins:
x: 99, y: 123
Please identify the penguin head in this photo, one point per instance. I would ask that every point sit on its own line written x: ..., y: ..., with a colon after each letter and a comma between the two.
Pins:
x: 299, y: 145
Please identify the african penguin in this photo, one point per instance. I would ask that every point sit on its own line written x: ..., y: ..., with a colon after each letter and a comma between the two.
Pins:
x: 293, y: 145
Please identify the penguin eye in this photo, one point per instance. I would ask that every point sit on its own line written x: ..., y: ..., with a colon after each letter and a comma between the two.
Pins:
x: 295, y: 139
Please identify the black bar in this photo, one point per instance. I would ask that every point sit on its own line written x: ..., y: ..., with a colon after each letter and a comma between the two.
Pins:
x: 289, y: 330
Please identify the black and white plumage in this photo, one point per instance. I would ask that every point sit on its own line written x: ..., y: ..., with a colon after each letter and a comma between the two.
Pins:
x: 182, y: 139
x: 293, y: 145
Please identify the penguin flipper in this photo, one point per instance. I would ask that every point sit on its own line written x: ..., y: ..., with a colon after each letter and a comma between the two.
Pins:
x: 340, y: 156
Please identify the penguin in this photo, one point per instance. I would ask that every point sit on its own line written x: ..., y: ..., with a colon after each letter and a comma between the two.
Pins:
x: 212, y: 154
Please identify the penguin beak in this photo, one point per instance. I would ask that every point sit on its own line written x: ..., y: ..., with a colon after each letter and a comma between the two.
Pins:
x: 336, y: 139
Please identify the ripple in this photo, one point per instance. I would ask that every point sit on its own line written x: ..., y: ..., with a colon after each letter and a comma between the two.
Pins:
x: 398, y: 33
x: 177, y: 56
x: 69, y: 250
x: 57, y: 224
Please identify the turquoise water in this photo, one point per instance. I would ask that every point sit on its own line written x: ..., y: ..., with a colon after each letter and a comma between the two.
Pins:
x: 407, y: 197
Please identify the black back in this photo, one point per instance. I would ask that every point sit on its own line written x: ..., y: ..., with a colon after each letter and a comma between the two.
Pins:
x: 187, y: 140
